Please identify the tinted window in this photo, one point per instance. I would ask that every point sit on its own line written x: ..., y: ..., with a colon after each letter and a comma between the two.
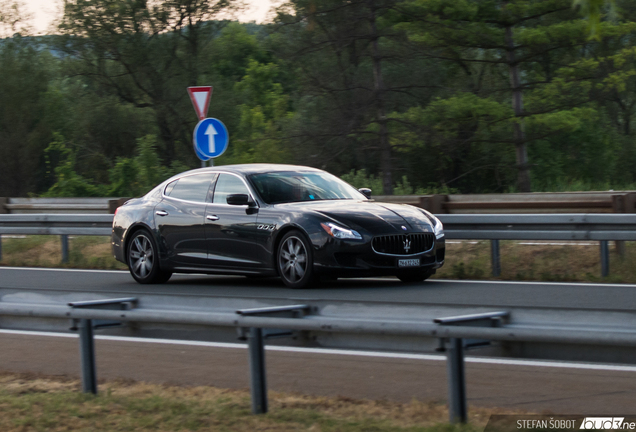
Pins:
x: 191, y: 188
x: 228, y: 184
x: 283, y: 187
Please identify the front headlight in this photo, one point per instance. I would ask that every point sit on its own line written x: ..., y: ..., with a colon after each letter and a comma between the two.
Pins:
x: 439, y: 229
x: 339, y: 232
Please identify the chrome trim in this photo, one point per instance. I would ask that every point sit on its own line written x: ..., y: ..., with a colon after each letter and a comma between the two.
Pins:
x: 246, y: 186
x: 402, y: 255
x: 163, y: 190
x: 252, y: 195
x: 212, y: 217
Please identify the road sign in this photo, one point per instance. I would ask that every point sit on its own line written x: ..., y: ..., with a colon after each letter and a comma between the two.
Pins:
x: 200, y: 97
x: 210, y: 138
x: 200, y: 155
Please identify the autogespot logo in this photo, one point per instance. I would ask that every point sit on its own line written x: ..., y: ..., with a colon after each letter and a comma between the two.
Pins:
x: 606, y: 423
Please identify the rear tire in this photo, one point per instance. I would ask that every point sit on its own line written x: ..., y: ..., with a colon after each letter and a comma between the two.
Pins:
x: 143, y: 259
x: 295, y: 260
x: 418, y: 276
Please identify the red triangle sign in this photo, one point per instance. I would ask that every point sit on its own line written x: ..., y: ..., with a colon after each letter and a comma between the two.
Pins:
x: 200, y: 97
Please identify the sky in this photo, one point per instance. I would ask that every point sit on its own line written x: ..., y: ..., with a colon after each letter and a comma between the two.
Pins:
x: 44, y: 11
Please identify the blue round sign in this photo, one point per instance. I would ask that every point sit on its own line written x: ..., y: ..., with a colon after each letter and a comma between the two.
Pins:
x: 200, y: 155
x: 210, y: 138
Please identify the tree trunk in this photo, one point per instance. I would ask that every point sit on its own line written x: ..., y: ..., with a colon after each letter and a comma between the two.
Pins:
x: 523, y: 175
x: 379, y: 89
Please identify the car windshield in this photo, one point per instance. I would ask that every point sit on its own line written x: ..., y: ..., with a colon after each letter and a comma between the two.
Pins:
x: 285, y: 187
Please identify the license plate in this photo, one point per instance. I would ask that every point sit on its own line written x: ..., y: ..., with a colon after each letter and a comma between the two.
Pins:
x: 402, y: 263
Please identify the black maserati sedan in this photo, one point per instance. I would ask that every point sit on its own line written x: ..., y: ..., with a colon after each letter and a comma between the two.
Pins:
x: 301, y: 224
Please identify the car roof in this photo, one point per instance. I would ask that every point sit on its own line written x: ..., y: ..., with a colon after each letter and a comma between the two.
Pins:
x: 256, y: 168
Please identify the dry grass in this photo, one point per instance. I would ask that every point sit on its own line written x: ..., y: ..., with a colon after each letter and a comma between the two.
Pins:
x: 46, y: 251
x: 465, y: 260
x: 34, y: 403
x: 544, y: 262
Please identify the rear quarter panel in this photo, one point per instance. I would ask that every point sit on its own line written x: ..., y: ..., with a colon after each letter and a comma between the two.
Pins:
x: 135, y: 214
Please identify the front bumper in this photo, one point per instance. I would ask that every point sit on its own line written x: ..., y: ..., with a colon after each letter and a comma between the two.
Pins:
x: 346, y: 258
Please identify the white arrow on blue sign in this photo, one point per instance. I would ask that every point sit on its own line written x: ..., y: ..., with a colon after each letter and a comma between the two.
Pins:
x: 210, y: 138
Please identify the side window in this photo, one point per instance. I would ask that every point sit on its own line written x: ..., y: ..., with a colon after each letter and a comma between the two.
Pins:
x: 228, y: 184
x: 191, y: 188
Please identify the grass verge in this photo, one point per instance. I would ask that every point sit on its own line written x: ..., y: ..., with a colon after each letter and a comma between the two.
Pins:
x: 90, y: 252
x: 539, y: 261
x: 41, y: 403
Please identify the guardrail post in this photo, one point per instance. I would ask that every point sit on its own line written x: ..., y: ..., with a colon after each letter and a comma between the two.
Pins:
x: 258, y: 384
x: 87, y: 356
x: 495, y: 258
x: 457, y: 406
x: 86, y: 335
x: 605, y: 264
x: 456, y: 381
x: 256, y: 347
x: 64, y: 238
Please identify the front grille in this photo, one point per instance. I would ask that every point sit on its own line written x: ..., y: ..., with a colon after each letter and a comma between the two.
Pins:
x: 404, y: 244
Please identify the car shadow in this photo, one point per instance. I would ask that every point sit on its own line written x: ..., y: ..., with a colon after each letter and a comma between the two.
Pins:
x: 269, y: 283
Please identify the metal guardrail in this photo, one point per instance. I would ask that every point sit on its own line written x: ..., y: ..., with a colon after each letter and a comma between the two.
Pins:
x: 56, y: 224
x: 493, y: 227
x: 60, y: 205
x: 452, y: 331
x: 535, y: 202
x: 601, y: 227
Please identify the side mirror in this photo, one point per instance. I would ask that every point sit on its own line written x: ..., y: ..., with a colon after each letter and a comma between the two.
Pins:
x: 238, y: 199
x: 366, y: 192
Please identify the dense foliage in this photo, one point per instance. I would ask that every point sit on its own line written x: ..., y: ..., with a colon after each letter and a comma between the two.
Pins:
x: 404, y: 96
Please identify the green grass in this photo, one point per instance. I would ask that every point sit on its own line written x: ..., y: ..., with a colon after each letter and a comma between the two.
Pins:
x: 463, y: 261
x: 46, y: 403
x: 91, y: 252
x: 14, y: 246
x: 567, y: 263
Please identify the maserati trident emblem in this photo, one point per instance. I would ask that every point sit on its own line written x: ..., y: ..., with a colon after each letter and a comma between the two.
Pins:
x: 407, y: 245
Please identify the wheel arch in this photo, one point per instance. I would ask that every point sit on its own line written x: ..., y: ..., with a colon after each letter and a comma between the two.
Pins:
x: 279, y: 237
x: 130, y: 233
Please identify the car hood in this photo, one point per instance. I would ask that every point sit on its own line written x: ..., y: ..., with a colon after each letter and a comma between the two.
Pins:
x: 378, y: 218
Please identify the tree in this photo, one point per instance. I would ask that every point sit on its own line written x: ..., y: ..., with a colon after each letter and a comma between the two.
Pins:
x: 145, y: 53
x: 537, y: 45
x: 25, y: 75
x: 346, y: 54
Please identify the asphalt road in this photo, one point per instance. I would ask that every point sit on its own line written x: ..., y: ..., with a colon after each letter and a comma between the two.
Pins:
x: 601, y: 297
x: 558, y: 390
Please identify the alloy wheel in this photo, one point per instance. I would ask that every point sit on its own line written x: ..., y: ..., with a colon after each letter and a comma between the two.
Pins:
x: 293, y: 260
x: 142, y: 256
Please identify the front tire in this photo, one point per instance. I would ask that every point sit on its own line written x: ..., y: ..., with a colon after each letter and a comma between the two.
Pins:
x: 295, y: 260
x: 143, y: 259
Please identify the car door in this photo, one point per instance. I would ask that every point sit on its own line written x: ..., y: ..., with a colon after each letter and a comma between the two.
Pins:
x: 231, y: 229
x: 180, y: 217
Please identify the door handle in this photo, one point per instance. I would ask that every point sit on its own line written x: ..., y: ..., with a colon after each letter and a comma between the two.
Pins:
x: 212, y: 217
x: 161, y: 213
